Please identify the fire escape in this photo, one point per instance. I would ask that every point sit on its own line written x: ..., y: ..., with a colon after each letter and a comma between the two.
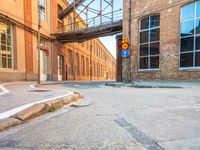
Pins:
x: 101, y: 20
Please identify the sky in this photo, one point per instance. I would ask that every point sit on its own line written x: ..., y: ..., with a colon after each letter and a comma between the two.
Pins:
x: 110, y: 44
x: 109, y: 41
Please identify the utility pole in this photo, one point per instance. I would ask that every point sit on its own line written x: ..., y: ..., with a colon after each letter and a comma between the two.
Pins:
x: 129, y: 38
x: 38, y: 42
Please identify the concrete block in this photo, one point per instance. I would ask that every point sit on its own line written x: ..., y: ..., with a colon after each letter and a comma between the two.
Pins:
x: 31, y: 112
x: 56, y: 103
x: 8, y: 123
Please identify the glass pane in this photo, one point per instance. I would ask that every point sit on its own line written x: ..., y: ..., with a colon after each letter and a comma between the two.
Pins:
x: 42, y: 2
x: 154, y: 35
x: 186, y: 60
x: 144, y: 37
x: 144, y: 63
x: 3, y: 27
x: 198, y: 26
x: 154, y: 48
x: 197, y: 43
x: 188, y: 12
x: 187, y: 44
x: 144, y: 24
x: 197, y: 59
x: 9, y: 52
x: 154, y: 62
x: 3, y: 49
x: 198, y: 9
x: 144, y: 50
x: 3, y: 39
x: 4, y: 62
x: 8, y: 29
x: 154, y: 21
x: 9, y: 63
x: 9, y: 40
x: 187, y: 28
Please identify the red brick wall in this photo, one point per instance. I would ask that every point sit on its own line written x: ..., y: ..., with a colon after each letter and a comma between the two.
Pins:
x: 169, y: 11
x: 28, y: 36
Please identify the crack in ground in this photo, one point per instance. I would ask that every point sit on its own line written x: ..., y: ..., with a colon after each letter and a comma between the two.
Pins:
x: 146, y: 141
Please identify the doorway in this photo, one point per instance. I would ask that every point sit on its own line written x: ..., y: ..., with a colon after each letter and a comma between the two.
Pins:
x: 43, y: 65
x: 60, y: 67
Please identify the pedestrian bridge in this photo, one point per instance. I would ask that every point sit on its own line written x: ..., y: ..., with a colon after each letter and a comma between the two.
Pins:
x: 105, y: 21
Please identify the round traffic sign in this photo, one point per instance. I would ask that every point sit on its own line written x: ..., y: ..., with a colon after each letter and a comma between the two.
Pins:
x: 125, y: 53
x: 124, y: 46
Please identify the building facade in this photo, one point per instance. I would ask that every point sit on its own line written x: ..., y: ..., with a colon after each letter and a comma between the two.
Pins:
x: 19, y: 28
x: 164, y: 37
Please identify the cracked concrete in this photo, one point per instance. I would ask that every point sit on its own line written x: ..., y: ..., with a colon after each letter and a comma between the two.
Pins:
x: 152, y: 118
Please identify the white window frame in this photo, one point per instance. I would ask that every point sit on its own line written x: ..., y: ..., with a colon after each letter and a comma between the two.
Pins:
x: 149, y: 56
x: 11, y: 46
x: 194, y: 37
x: 44, y: 6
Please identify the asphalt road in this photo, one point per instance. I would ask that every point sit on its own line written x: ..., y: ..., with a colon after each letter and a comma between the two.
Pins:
x: 116, y: 119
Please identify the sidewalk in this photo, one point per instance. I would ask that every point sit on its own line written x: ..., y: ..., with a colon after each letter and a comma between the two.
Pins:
x: 25, y: 94
x: 158, y: 84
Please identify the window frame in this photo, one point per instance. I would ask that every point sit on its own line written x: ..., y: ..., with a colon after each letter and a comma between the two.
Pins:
x: 45, y: 8
x: 6, y: 45
x: 149, y: 42
x: 194, y: 51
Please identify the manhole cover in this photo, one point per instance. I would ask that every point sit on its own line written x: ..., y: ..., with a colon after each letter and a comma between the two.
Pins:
x: 39, y: 91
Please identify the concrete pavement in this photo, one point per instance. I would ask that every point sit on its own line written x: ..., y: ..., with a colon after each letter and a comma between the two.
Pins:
x: 119, y: 118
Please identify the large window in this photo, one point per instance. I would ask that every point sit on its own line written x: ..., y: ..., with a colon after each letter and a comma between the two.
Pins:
x: 190, y: 36
x: 60, y: 22
x: 149, y: 42
x: 83, y: 65
x: 77, y: 64
x: 70, y: 71
x: 6, y: 45
x: 69, y: 23
x: 87, y: 67
x: 43, y: 10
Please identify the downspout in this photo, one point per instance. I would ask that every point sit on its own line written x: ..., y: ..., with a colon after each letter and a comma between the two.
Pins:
x: 51, y: 45
x: 130, y: 42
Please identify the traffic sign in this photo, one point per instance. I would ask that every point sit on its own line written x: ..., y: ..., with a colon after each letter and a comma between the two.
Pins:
x: 125, y: 53
x: 125, y: 46
x: 124, y: 40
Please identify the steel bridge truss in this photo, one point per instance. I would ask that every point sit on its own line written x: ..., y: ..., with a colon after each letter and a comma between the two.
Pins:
x: 97, y: 22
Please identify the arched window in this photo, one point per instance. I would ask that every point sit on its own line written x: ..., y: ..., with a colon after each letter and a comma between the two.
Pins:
x: 190, y: 36
x: 149, y: 43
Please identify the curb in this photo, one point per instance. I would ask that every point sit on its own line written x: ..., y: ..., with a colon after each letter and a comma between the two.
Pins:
x: 37, y: 110
x: 140, y: 85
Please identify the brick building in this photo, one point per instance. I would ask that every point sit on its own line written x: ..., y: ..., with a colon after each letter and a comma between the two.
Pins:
x: 164, y: 37
x: 89, y: 60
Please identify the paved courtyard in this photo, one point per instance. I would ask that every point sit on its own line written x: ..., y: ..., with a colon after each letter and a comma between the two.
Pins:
x: 120, y: 118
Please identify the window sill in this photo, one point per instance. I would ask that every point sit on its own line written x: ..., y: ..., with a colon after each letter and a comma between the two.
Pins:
x: 148, y: 70
x: 190, y: 69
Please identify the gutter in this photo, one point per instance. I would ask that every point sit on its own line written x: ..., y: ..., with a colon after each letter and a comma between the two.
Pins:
x: 51, y: 42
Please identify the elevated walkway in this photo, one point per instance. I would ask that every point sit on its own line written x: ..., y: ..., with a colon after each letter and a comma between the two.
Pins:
x: 105, y: 29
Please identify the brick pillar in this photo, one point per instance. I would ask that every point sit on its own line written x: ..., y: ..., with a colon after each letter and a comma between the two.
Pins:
x: 28, y: 38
